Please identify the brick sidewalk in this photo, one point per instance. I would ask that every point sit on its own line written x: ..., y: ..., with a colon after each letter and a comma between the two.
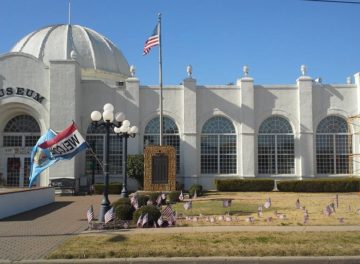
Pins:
x: 33, y: 234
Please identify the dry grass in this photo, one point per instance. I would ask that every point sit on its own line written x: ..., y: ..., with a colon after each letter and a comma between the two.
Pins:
x: 211, y: 244
x: 246, y: 204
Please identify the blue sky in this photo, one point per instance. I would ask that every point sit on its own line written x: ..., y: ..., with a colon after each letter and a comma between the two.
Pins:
x: 272, y: 37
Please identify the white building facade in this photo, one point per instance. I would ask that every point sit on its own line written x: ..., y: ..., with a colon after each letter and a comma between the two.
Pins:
x: 62, y: 73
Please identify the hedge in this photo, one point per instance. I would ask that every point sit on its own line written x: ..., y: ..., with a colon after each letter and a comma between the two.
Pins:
x: 320, y: 185
x: 245, y: 185
x: 114, y: 188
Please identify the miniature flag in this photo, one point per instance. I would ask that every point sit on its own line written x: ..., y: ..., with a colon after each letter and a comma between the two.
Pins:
x: 267, y: 204
x: 250, y: 219
x: 181, y: 196
x: 66, y: 144
x: 227, y: 203
x: 188, y: 205
x: 159, y: 200
x: 167, y: 211
x: 160, y: 221
x: 153, y: 40
x: 90, y: 214
x: 145, y: 220
x: 126, y: 225
x: 163, y: 196
x: 341, y: 220
x: 297, y: 204
x: 171, y: 221
x: 110, y: 215
x: 139, y: 221
x: 41, y: 159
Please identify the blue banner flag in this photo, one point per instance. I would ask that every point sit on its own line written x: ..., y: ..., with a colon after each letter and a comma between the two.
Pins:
x: 41, y: 158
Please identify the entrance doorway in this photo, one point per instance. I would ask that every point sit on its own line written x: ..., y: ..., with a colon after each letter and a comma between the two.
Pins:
x: 20, y: 134
x: 18, y: 171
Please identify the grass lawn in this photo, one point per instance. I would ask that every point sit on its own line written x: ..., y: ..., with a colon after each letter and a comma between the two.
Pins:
x: 210, y: 244
x: 246, y: 204
x: 105, y: 245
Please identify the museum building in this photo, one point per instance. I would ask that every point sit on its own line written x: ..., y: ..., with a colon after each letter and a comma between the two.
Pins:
x: 62, y: 73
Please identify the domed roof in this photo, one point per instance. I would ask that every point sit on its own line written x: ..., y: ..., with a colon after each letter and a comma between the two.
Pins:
x: 61, y: 42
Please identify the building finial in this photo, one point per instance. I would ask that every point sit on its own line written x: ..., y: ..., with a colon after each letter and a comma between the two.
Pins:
x: 189, y: 70
x: 303, y: 70
x: 349, y: 80
x: 132, y: 70
x: 246, y: 70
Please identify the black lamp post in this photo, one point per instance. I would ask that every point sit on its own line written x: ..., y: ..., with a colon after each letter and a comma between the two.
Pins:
x: 107, y: 123
x: 125, y: 131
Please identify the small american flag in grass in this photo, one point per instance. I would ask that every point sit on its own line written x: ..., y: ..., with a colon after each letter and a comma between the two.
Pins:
x: 90, y: 214
x: 110, y: 215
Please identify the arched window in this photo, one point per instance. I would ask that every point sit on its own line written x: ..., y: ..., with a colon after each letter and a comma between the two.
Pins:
x: 170, y: 135
x: 96, y: 139
x: 333, y: 146
x: 20, y: 131
x: 218, y: 146
x: 276, y: 147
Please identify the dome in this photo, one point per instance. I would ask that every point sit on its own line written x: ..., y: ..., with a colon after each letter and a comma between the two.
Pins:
x: 62, y: 42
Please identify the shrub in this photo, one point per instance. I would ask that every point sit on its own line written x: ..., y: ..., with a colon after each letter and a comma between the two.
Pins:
x: 174, y: 196
x: 153, y: 196
x: 320, y: 185
x: 114, y: 188
x: 142, y: 200
x: 135, y: 168
x: 152, y: 211
x: 121, y: 201
x: 244, y: 185
x: 198, y: 188
x: 124, y: 211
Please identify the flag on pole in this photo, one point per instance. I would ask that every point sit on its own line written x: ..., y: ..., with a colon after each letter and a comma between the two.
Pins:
x: 153, y: 40
x: 139, y: 221
x: 145, y: 220
x: 90, y: 214
x: 181, y: 196
x: 227, y: 203
x: 188, y: 205
x: 168, y: 211
x: 110, y: 215
x: 41, y: 158
x: 66, y: 144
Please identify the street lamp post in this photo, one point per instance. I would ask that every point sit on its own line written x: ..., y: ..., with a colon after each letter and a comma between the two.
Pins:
x: 107, y: 123
x: 125, y: 131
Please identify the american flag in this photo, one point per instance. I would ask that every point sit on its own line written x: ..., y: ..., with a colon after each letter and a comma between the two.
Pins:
x: 145, y: 220
x: 267, y: 204
x: 168, y: 211
x: 159, y: 200
x: 181, y: 196
x: 90, y: 214
x: 226, y: 203
x: 110, y: 215
x: 139, y: 221
x: 188, y: 205
x: 153, y: 40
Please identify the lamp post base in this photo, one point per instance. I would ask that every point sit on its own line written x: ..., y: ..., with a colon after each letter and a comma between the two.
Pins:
x: 103, y: 209
x: 124, y: 193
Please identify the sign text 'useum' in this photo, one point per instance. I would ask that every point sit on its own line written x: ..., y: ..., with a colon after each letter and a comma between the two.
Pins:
x: 10, y: 91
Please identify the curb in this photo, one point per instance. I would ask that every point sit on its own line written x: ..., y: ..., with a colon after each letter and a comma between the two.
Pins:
x: 189, y: 260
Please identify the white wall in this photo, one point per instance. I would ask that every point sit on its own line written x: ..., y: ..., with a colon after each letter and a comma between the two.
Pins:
x: 18, y: 202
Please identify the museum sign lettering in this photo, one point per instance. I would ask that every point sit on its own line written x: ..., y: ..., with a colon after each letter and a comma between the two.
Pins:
x: 19, y: 91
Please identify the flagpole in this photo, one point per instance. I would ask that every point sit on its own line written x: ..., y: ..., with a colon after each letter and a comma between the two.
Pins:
x: 161, y: 81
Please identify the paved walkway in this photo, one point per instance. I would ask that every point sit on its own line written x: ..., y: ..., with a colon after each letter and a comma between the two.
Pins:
x: 32, y: 235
